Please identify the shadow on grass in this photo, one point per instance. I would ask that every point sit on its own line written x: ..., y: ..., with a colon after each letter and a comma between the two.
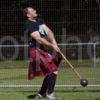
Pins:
x: 31, y: 96
x: 97, y: 98
x: 31, y: 90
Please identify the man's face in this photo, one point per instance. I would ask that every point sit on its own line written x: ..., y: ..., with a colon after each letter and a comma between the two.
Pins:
x: 32, y: 13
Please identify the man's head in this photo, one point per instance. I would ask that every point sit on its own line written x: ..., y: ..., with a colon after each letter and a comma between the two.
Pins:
x: 30, y: 12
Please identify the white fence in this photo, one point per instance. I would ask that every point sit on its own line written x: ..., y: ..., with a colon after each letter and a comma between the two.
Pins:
x: 66, y: 83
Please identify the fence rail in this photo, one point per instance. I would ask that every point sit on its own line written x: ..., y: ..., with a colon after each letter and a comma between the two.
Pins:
x: 65, y: 84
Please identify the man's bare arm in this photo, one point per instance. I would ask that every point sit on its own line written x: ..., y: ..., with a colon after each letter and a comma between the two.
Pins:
x: 43, y: 41
x: 50, y: 34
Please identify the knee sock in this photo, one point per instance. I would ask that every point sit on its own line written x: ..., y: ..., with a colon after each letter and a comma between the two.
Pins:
x: 44, y: 86
x: 51, y: 82
x: 48, y: 84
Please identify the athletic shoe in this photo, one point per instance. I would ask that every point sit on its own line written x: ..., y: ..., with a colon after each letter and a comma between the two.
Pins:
x: 39, y: 97
x: 52, y: 97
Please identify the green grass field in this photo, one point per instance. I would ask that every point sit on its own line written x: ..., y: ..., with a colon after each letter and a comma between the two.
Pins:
x: 15, y: 73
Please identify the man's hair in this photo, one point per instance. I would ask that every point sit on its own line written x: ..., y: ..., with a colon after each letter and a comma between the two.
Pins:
x: 25, y: 11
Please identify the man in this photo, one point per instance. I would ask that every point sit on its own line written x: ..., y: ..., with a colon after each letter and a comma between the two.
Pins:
x: 42, y: 63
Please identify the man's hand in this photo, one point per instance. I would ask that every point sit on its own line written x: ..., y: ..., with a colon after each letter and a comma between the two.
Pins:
x: 56, y: 48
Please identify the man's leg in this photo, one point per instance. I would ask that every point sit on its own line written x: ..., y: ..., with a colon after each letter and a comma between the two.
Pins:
x: 48, y: 85
x: 44, y: 87
x: 42, y: 93
x: 51, y: 83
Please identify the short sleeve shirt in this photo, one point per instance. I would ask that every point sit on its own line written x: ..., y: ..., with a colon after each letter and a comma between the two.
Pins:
x: 32, y: 26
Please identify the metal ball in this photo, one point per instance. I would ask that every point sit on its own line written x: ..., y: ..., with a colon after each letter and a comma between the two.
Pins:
x: 84, y: 82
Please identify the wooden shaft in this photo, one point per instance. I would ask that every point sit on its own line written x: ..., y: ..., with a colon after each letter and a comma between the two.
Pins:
x: 79, y: 76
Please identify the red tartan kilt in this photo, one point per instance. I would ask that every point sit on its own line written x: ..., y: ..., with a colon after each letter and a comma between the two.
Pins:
x: 41, y: 64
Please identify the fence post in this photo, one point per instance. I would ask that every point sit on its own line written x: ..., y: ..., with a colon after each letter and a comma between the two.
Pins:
x: 94, y: 55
